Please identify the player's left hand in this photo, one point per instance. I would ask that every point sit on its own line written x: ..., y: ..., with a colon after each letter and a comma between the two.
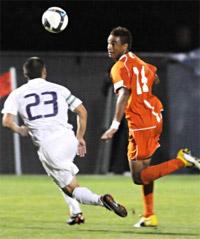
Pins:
x: 81, y: 147
x: 108, y: 134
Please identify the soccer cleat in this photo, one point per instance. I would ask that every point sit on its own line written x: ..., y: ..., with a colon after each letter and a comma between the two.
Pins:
x: 76, y: 219
x: 190, y: 161
x: 150, y: 221
x: 109, y: 203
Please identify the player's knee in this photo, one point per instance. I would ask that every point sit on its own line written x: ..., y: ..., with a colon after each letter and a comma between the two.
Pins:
x: 136, y: 178
x: 67, y: 191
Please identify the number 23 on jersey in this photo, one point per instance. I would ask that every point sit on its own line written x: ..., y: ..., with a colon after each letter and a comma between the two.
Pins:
x: 37, y: 100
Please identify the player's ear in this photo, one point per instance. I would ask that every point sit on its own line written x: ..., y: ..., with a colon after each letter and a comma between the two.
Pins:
x: 44, y: 73
x: 125, y: 46
x: 25, y: 74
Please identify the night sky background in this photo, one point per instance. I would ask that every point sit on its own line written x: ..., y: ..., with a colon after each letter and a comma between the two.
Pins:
x: 157, y: 26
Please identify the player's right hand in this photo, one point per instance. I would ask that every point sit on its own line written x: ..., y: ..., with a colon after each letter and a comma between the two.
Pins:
x: 23, y: 130
x: 81, y: 147
x: 108, y: 134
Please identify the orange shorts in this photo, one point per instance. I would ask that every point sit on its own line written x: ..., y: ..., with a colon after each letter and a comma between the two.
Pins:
x: 143, y: 142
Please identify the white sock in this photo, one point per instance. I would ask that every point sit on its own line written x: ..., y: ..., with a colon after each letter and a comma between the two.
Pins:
x: 74, y: 207
x: 85, y: 196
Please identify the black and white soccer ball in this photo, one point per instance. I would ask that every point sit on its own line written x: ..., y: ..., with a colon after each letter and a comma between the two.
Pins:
x: 54, y: 19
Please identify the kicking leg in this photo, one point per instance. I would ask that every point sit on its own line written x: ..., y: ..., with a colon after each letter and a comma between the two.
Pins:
x: 183, y: 159
x: 86, y: 196
x: 143, y: 174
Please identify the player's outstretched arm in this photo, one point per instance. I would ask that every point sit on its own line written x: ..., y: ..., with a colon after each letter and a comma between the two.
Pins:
x: 81, y: 128
x: 9, y: 122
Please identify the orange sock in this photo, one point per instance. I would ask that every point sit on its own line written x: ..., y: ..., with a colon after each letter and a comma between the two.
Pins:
x: 154, y: 172
x: 148, y: 199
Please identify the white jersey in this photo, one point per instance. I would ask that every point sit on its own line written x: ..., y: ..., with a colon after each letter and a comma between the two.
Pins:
x: 43, y: 106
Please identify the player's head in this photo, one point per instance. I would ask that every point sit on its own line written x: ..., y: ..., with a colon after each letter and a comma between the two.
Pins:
x: 34, y: 67
x: 119, y: 42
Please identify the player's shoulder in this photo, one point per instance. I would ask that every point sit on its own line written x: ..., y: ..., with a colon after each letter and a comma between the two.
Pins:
x: 19, y: 90
x: 123, y: 62
x: 128, y: 57
x: 56, y: 85
x: 53, y: 84
x: 117, y: 65
x: 120, y: 64
x: 140, y: 61
x: 60, y: 89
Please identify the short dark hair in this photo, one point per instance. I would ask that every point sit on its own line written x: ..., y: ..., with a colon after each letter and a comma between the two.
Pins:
x: 124, y: 34
x: 33, y: 67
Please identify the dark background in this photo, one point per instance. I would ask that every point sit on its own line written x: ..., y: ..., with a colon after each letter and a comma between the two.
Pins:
x: 157, y: 26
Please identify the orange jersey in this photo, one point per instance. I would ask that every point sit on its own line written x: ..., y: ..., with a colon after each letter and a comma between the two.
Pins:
x: 143, y: 109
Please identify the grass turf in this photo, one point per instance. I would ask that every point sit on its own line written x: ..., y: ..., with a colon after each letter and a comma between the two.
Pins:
x: 31, y: 207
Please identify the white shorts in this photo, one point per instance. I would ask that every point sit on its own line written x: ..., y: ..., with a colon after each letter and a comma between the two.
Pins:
x: 57, y: 154
x: 61, y: 177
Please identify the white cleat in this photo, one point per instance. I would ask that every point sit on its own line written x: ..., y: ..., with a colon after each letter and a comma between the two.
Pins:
x: 195, y: 161
x: 189, y: 160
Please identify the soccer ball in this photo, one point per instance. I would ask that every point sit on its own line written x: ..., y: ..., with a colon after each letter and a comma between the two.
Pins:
x: 54, y: 19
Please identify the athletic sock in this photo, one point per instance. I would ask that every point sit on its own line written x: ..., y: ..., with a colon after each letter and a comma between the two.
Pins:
x: 85, y: 196
x: 154, y: 172
x: 74, y: 207
x: 147, y: 191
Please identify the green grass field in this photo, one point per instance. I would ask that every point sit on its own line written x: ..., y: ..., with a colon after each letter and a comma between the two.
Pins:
x: 31, y: 207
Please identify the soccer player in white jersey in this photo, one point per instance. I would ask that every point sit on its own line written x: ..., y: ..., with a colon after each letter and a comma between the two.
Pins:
x: 43, y: 107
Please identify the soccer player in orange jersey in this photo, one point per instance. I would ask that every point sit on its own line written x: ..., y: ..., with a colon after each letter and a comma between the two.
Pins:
x: 133, y: 80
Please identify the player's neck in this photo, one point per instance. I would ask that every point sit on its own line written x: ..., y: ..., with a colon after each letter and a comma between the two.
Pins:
x: 125, y: 52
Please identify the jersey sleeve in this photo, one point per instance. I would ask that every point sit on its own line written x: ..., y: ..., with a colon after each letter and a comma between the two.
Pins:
x: 120, y: 75
x: 151, y: 74
x: 153, y: 68
x: 72, y: 101
x: 11, y: 104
